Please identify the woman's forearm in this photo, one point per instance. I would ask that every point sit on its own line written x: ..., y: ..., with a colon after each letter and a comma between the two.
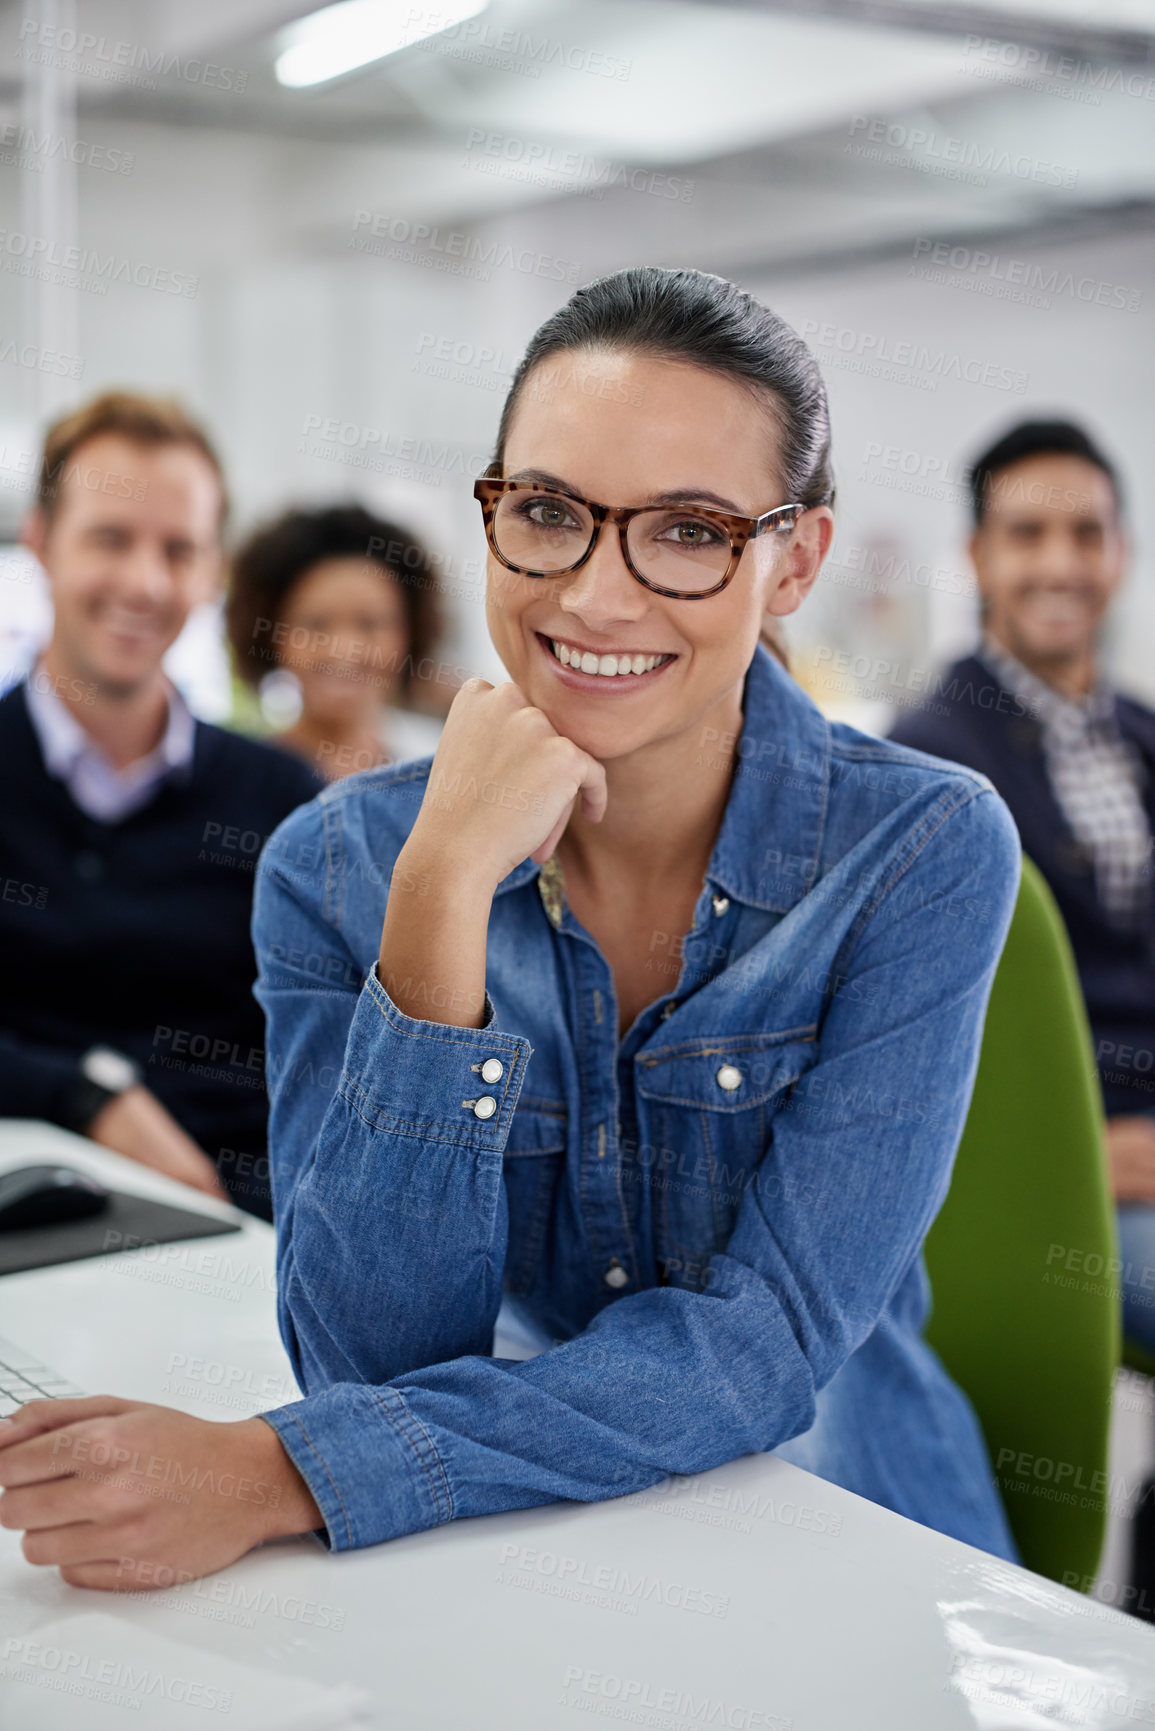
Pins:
x: 380, y: 1111
x: 432, y: 958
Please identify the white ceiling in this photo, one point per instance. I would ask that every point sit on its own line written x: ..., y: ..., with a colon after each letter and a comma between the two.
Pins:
x: 1137, y: 15
x: 764, y: 107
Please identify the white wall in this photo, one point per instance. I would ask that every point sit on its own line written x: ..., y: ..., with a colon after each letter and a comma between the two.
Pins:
x: 291, y: 328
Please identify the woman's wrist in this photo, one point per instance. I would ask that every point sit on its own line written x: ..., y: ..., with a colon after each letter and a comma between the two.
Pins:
x: 433, y: 940
x: 439, y: 867
x: 285, y: 1503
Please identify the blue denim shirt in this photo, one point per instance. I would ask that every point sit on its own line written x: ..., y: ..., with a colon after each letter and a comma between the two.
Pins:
x: 716, y: 1222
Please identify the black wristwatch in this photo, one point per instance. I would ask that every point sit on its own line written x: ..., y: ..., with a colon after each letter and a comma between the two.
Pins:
x: 101, y: 1075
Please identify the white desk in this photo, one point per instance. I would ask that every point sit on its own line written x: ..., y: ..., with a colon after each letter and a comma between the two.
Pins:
x: 752, y: 1596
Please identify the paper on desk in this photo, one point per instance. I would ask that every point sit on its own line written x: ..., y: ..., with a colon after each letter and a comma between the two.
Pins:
x: 94, y: 1669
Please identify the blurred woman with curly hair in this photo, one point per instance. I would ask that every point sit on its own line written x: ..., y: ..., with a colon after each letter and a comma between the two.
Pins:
x: 342, y: 606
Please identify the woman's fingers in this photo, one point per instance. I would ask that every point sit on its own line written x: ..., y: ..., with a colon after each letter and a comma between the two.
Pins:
x: 80, y: 1542
x: 117, y: 1575
x: 41, y: 1416
x: 54, y: 1504
x: 542, y: 853
x: 503, y: 784
x: 591, y: 790
x: 594, y: 793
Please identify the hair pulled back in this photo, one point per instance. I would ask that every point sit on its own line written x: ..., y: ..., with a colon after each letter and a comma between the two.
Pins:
x: 690, y: 316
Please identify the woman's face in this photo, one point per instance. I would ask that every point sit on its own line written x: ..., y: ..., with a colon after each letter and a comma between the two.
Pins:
x: 346, y: 637
x: 625, y: 429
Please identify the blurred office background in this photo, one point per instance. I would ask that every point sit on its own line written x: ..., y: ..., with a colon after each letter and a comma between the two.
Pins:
x: 953, y: 202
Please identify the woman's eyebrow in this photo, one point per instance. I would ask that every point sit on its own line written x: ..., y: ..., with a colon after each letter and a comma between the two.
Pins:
x: 674, y: 496
x: 547, y: 480
x: 695, y: 496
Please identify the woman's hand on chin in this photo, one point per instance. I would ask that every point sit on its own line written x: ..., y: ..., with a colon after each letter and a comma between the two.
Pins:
x: 121, y: 1495
x: 502, y: 785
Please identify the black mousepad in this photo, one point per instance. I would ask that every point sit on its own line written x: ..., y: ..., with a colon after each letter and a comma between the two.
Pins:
x: 128, y: 1223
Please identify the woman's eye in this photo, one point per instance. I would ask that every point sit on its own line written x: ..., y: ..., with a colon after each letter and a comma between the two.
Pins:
x: 548, y: 514
x: 690, y: 532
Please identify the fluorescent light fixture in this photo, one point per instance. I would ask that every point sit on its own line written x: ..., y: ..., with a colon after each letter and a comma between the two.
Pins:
x: 338, y: 39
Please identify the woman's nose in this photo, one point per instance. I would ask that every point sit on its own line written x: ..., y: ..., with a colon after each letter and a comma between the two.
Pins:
x: 605, y: 587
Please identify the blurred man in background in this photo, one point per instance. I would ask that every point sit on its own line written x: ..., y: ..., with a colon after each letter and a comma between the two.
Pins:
x: 129, y: 831
x: 1076, y: 764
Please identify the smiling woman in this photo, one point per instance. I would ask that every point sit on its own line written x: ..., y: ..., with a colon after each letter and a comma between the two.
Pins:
x: 342, y: 604
x: 664, y: 1033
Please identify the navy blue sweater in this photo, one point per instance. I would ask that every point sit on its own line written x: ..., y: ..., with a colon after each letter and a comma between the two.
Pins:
x: 970, y: 718
x: 136, y: 935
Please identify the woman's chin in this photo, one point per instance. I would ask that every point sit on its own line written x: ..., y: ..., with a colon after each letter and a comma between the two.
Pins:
x: 599, y: 736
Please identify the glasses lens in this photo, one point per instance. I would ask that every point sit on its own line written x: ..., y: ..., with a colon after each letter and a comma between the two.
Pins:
x: 676, y: 548
x: 541, y: 531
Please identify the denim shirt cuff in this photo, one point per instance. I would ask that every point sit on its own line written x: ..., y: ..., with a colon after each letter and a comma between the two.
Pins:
x: 370, y: 1465
x: 407, y: 1077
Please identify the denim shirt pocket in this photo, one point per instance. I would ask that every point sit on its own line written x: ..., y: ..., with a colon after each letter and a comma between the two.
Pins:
x: 531, y: 1170
x: 706, y: 1111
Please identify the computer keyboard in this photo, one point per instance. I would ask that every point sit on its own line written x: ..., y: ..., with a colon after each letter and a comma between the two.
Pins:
x: 24, y: 1378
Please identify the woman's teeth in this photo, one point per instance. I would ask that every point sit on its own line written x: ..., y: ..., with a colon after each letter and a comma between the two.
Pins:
x: 609, y: 666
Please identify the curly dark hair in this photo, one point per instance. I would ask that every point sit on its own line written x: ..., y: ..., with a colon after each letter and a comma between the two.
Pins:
x: 278, y: 554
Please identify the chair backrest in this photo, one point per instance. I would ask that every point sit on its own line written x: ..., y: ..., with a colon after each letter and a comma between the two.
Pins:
x: 1022, y: 1257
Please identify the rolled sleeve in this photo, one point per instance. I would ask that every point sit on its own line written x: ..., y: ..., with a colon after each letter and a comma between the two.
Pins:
x: 370, y: 1465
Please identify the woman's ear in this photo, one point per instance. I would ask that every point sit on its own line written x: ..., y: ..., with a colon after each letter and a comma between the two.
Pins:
x: 801, y: 560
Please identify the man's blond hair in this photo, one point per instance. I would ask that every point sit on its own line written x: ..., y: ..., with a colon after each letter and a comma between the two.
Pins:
x: 147, y: 421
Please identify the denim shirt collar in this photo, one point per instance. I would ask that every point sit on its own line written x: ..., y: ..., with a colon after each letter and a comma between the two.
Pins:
x: 777, y: 798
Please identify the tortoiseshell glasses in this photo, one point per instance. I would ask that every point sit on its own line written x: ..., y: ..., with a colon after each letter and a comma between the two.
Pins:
x: 685, y: 551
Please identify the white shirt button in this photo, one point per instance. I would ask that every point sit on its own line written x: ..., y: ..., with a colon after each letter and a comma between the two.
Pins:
x: 492, y: 1070
x: 616, y: 1276
x: 485, y: 1107
x: 729, y: 1077
x: 721, y: 904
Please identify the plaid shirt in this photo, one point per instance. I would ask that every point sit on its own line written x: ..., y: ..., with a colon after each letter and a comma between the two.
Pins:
x: 1098, y: 780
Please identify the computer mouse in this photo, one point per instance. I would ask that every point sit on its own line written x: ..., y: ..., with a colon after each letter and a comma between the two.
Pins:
x: 48, y: 1196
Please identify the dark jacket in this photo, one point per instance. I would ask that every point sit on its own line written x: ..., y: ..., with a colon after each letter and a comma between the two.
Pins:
x: 970, y: 718
x: 135, y: 935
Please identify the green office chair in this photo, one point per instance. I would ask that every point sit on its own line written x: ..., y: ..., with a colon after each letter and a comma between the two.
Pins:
x: 1139, y: 1358
x: 1026, y: 1308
